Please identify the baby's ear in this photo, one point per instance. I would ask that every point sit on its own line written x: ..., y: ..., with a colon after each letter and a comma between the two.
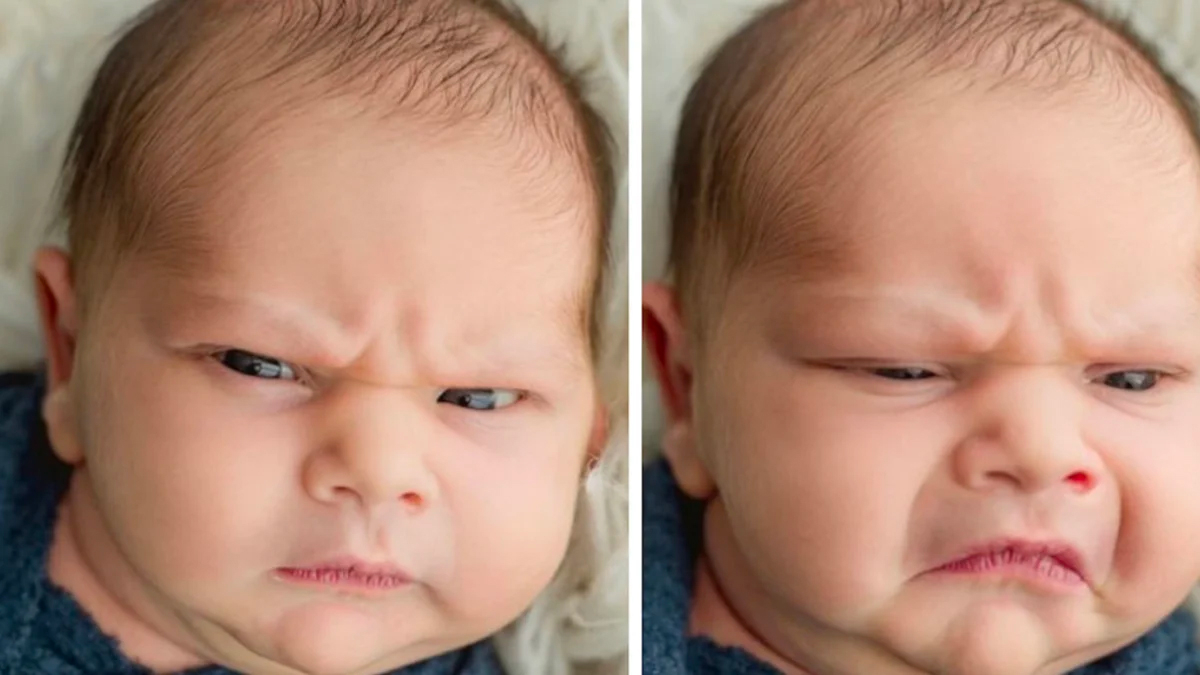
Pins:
x: 598, y: 438
x: 667, y: 340
x: 57, y: 306
x: 60, y: 326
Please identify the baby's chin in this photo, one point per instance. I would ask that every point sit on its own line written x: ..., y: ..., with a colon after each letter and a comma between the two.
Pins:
x: 338, y: 638
x: 993, y: 634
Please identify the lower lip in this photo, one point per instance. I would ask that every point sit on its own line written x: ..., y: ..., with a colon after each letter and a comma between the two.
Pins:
x: 1041, y: 569
x: 343, y: 579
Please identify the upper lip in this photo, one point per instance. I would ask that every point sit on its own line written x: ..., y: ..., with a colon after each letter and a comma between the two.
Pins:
x: 1067, y: 555
x: 359, y: 565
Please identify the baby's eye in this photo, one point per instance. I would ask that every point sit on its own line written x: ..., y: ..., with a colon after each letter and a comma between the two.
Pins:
x: 480, y: 399
x: 255, y: 365
x: 1133, y: 380
x: 902, y: 373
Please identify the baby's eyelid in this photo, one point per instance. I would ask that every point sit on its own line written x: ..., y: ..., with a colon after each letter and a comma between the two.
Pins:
x: 297, y: 373
x: 916, y: 373
x: 507, y: 396
x: 877, y: 366
x: 1101, y: 372
x: 1160, y: 371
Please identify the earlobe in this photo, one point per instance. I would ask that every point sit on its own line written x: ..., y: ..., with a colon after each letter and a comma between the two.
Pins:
x: 670, y: 352
x: 679, y: 447
x: 60, y: 325
x: 598, y: 438
x: 58, y: 411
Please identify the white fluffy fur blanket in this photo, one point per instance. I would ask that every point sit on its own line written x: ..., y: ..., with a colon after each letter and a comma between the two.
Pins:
x: 48, y: 52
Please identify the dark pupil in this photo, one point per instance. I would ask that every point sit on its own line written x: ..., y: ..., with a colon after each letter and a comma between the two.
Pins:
x: 1132, y: 380
x: 252, y: 364
x: 476, y: 399
x: 904, y: 373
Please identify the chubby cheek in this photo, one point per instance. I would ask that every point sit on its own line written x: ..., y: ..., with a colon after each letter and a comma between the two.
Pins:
x: 512, y: 510
x: 193, y: 487
x: 819, y: 494
x: 1157, y: 555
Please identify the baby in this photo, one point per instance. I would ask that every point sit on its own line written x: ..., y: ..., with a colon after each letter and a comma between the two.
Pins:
x: 931, y: 362
x: 319, y: 390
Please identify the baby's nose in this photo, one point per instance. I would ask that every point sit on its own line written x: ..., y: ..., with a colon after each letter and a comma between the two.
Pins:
x: 377, y: 453
x: 1026, y: 433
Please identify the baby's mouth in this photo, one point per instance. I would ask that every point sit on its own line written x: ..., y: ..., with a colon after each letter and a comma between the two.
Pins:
x: 1051, y: 565
x: 347, y: 574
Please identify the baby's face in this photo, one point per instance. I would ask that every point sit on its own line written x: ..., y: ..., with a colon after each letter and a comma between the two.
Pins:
x: 1010, y: 361
x: 380, y: 362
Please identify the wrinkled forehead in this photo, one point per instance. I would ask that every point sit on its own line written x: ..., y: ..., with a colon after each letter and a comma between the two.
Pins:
x: 205, y: 138
x: 994, y: 201
x: 949, y: 132
x: 797, y: 94
x: 353, y: 215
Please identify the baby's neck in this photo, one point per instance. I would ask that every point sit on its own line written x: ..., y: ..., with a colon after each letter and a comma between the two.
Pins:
x: 73, y: 565
x: 712, y: 617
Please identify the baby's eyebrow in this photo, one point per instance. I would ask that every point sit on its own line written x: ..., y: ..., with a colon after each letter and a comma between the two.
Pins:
x: 309, y: 331
x: 924, y: 308
x: 535, y: 364
x: 1151, y: 324
x: 1168, y: 322
x: 321, y: 340
x: 521, y: 352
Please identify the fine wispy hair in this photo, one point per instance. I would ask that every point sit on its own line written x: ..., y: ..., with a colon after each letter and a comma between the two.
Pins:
x: 192, y: 82
x: 787, y: 95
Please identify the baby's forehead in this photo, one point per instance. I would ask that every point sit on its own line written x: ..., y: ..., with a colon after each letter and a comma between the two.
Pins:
x: 927, y: 171
x: 452, y: 217
x: 198, y: 85
x: 397, y: 337
x: 794, y: 102
x: 814, y: 73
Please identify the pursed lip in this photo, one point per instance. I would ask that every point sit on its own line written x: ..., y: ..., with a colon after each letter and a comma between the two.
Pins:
x: 347, y: 572
x: 1012, y: 552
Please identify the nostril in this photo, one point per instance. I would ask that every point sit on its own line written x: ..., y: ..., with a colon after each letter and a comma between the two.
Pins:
x: 1002, y: 477
x: 1080, y: 479
x: 412, y: 500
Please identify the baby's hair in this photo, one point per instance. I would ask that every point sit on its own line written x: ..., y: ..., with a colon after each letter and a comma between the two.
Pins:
x: 192, y: 81
x: 777, y: 102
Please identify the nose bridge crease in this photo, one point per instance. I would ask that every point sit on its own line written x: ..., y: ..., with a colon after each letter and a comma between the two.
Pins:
x: 383, y: 444
x: 1034, y: 419
x: 1033, y: 401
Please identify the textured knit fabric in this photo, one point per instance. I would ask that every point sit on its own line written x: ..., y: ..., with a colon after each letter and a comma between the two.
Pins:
x: 670, y: 543
x: 43, y: 631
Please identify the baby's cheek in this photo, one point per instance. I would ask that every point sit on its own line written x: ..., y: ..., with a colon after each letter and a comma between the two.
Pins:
x: 1157, y: 555
x: 819, y: 498
x: 1152, y: 463
x: 512, y: 522
x: 825, y: 551
x: 191, y: 525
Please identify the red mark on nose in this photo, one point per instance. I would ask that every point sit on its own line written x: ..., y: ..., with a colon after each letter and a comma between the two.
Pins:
x: 1080, y: 479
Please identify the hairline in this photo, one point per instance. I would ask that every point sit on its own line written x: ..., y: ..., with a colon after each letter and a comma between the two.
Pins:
x: 712, y: 252
x: 548, y: 103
